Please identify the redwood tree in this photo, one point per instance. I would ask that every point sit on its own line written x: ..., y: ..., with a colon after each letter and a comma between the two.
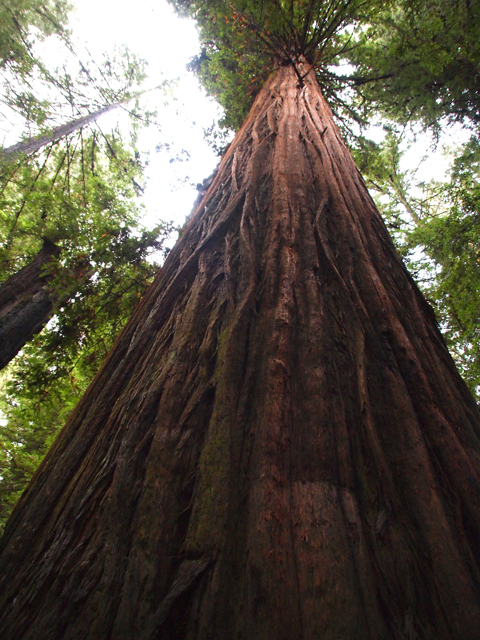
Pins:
x: 70, y: 234
x: 26, y: 304
x: 279, y: 445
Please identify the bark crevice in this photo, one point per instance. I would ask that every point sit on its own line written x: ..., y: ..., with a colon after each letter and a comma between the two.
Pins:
x: 279, y: 445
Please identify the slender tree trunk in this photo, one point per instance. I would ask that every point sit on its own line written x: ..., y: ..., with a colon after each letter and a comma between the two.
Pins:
x: 279, y: 446
x: 26, y: 303
x: 34, y: 144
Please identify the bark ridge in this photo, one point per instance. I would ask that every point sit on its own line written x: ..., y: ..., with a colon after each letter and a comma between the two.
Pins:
x: 279, y: 446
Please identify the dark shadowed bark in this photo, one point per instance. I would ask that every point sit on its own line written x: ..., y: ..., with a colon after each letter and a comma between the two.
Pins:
x: 26, y: 303
x: 279, y: 446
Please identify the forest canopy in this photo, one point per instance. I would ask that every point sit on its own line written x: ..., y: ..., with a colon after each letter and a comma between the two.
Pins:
x: 407, y: 61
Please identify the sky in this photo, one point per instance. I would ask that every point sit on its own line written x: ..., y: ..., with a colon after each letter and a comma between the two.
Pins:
x: 152, y: 30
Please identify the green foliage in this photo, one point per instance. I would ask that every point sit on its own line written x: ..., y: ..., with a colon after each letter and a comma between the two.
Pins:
x: 36, y: 97
x: 48, y: 97
x: 245, y: 40
x: 30, y: 421
x: 75, y: 193
x: 420, y: 61
x: 379, y: 164
x: 24, y: 21
x: 83, y: 194
x: 436, y: 227
x: 451, y: 268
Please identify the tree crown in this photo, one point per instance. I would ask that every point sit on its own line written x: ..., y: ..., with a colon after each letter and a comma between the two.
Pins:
x: 409, y: 60
x: 244, y: 41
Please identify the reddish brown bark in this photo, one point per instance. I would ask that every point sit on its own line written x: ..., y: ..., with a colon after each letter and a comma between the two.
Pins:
x: 26, y: 303
x: 279, y: 445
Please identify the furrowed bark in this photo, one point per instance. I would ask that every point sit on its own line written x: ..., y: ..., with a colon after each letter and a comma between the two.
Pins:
x: 26, y: 303
x: 279, y: 445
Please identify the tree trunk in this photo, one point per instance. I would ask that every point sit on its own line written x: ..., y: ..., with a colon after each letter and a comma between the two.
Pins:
x: 279, y: 446
x: 31, y: 145
x: 26, y: 304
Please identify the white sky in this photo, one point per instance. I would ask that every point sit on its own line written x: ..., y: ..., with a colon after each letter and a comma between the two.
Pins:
x: 152, y: 31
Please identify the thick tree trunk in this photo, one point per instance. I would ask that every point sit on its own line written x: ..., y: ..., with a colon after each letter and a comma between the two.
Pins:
x: 279, y: 446
x: 26, y: 303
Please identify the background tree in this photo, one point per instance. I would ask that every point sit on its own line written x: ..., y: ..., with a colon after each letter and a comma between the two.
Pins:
x: 96, y: 270
x: 72, y: 245
x: 33, y: 186
x: 81, y: 198
x: 44, y: 187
